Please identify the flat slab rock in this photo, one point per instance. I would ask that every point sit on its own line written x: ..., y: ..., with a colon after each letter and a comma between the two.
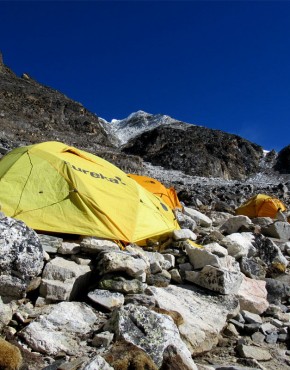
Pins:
x: 204, y: 316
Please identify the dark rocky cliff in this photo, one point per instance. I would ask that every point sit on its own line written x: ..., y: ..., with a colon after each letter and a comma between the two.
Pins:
x: 31, y: 112
x: 197, y: 151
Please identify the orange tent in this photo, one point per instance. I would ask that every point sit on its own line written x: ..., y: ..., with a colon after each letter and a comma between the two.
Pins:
x: 168, y: 195
x: 261, y: 205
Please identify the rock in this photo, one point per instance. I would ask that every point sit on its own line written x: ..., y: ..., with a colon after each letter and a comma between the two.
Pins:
x: 216, y: 249
x: 219, y: 218
x: 254, y: 352
x: 64, y: 280
x: 175, y: 276
x: 278, y: 229
x: 151, y: 331
x: 93, y: 245
x: 258, y: 337
x: 72, y: 365
x: 219, y: 280
x: 21, y: 258
x: 142, y: 299
x: 5, y: 314
x: 50, y: 244
x: 267, y: 328
x: 237, y: 245
x: 252, y: 295
x: 200, y: 257
x: 161, y: 279
x: 61, y: 328
x: 277, y: 291
x: 198, y: 217
x: 231, y: 331
x: 69, y: 248
x: 109, y: 300
x: 118, y: 261
x: 253, y: 267
x: 121, y: 285
x: 172, y: 360
x: 204, y: 316
x: 98, y: 362
x: 184, y: 221
x: 103, y: 339
x: 268, y: 251
x: 184, y: 234
x: 233, y: 224
x: 251, y: 318
x: 158, y: 261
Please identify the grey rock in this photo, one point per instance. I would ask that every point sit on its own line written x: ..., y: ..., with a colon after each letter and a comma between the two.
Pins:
x: 119, y: 261
x: 121, y: 284
x: 98, y: 363
x: 142, y: 299
x: 61, y: 328
x: 93, y: 245
x: 102, y: 339
x: 251, y: 318
x: 216, y: 279
x: 253, y: 267
x: 109, y: 300
x: 50, y: 244
x: 21, y: 258
x: 151, y: 331
x: 279, y: 230
x: 258, y: 337
x: 161, y: 279
x: 254, y: 352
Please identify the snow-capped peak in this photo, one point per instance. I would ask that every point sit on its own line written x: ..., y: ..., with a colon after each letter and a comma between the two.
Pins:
x: 136, y: 123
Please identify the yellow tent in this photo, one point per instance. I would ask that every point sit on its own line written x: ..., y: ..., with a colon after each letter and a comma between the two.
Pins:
x: 168, y: 195
x: 57, y: 188
x: 261, y: 205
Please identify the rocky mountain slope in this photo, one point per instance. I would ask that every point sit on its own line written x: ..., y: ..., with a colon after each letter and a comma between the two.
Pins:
x: 197, y: 151
x: 84, y: 303
x: 31, y: 112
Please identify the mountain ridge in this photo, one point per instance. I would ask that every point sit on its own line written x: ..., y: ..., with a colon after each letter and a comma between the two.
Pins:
x: 180, y: 154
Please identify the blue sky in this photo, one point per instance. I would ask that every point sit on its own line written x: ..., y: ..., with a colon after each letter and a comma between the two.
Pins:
x: 220, y: 64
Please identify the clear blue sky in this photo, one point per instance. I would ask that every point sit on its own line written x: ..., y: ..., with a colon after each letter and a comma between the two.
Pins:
x: 220, y: 64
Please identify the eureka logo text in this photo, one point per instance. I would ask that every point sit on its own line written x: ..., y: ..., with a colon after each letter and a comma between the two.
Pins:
x: 96, y: 175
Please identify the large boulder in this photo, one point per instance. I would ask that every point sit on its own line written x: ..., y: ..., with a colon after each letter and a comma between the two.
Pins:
x: 21, y: 258
x: 62, y: 327
x: 204, y: 316
x: 153, y: 332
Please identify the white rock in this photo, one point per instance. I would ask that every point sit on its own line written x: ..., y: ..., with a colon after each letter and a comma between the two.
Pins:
x: 217, y: 249
x: 237, y: 245
x: 61, y: 328
x: 107, y: 299
x: 233, y: 224
x: 183, y: 234
x: 204, y: 317
x: 69, y: 248
x: 216, y: 279
x: 200, y: 257
x: 98, y: 363
x: 198, y: 217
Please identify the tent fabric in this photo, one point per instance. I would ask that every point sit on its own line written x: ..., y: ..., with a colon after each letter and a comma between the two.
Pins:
x: 168, y: 195
x: 261, y: 205
x: 57, y: 188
